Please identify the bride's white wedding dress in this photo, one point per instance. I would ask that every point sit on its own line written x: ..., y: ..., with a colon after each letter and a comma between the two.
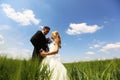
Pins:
x: 55, y: 66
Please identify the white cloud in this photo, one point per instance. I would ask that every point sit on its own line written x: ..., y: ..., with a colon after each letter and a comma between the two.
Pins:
x: 81, y: 28
x: 110, y: 47
x: 1, y: 39
x: 90, y: 53
x: 4, y: 27
x: 102, y: 58
x: 97, y: 44
x: 94, y: 46
x: 15, y: 53
x: 87, y: 58
x: 25, y: 17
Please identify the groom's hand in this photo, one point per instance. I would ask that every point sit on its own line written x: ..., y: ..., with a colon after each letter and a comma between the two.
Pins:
x: 43, y: 53
x: 48, y: 40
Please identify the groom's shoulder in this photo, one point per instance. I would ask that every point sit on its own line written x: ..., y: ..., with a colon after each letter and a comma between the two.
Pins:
x: 39, y: 31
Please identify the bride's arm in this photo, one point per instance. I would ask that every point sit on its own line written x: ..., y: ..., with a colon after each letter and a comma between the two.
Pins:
x: 55, y: 51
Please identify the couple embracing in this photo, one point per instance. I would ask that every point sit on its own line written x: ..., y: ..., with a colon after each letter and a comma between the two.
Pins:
x: 48, y: 54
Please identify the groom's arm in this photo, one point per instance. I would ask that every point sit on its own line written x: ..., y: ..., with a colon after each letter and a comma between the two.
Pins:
x: 35, y: 39
x: 43, y: 53
x: 38, y: 41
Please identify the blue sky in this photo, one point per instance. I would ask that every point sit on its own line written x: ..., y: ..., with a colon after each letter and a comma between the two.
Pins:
x: 89, y: 29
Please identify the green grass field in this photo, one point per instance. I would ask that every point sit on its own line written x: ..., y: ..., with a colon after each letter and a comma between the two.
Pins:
x: 30, y: 70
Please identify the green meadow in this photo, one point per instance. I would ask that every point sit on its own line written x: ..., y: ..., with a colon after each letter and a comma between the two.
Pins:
x: 30, y: 70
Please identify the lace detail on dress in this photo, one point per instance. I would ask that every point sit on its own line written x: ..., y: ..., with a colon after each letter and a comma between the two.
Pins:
x: 51, y: 47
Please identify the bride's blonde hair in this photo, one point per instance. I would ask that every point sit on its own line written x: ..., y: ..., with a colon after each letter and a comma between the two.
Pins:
x: 57, y: 38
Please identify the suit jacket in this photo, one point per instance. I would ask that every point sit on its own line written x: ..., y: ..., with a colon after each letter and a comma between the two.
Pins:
x: 39, y: 42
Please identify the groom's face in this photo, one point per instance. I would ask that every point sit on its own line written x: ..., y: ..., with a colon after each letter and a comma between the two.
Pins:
x: 46, y: 31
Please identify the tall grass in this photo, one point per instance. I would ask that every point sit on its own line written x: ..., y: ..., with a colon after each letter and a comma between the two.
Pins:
x: 31, y: 70
x: 22, y: 70
x: 94, y: 70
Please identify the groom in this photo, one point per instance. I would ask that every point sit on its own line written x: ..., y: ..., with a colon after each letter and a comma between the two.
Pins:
x: 40, y: 42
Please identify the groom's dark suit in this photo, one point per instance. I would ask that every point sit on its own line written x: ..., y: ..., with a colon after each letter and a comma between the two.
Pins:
x: 39, y: 42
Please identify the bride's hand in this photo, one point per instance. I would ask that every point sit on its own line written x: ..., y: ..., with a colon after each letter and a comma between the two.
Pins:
x: 43, y: 53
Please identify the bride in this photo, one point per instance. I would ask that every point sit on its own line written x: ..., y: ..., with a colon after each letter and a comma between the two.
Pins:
x: 54, y: 64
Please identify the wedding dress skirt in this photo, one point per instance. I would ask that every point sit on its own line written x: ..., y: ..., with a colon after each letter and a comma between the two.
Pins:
x: 55, y: 66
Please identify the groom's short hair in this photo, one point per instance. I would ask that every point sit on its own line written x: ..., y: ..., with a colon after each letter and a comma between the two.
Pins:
x: 46, y: 27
